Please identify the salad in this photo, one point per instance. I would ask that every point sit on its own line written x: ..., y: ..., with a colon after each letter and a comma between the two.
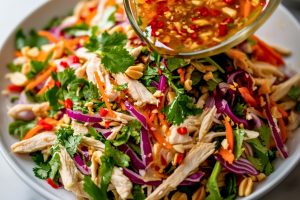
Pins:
x: 105, y: 118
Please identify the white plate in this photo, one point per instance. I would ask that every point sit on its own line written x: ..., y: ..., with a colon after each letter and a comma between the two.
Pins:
x: 282, y: 29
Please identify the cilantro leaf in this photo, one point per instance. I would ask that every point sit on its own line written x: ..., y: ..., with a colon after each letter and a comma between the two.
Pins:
x: 108, y: 41
x: 230, y: 186
x: 66, y: 77
x: 32, y: 40
x: 14, y: 68
x: 131, y: 129
x: 54, y: 165
x: 120, y: 159
x: 238, y: 140
x: 72, y: 30
x: 180, y: 108
x: 116, y: 59
x: 46, y: 169
x: 212, y: 184
x: 212, y: 84
x: 19, y: 128
x: 53, y: 96
x: 92, y: 190
x: 121, y: 87
x: 93, y: 43
x: 42, y: 171
x: 265, y: 135
x: 106, y: 169
x: 37, y: 66
x: 66, y: 138
x: 294, y: 93
x: 175, y: 63
x: 95, y: 134
x: 138, y: 193
x: 56, y: 21
x: 239, y: 109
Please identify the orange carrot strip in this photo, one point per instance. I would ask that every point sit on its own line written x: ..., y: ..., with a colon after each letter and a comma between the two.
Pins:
x: 246, y: 8
x: 102, y: 91
x: 40, y: 78
x: 181, y: 73
x: 161, y: 140
x: 48, y: 36
x: 227, y: 155
x: 51, y: 121
x: 268, y: 53
x: 34, y: 131
x: 46, y: 87
x: 247, y: 96
x: 283, y: 130
x: 229, y: 134
x: 264, y: 88
x: 123, y: 107
x: 18, y: 54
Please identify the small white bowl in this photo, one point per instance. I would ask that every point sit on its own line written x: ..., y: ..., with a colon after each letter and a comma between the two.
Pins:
x: 281, y: 29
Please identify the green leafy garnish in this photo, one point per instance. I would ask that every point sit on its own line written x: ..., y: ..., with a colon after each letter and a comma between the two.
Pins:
x: 239, y: 109
x: 93, y: 190
x: 66, y: 138
x: 212, y: 184
x: 180, y: 108
x: 294, y: 93
x: 32, y: 40
x: 175, y: 63
x: 72, y: 30
x: 121, y: 87
x: 230, y: 186
x: 214, y: 63
x: 46, y: 169
x: 14, y: 68
x: 37, y: 66
x: 138, y: 193
x: 238, y: 140
x: 19, y: 128
x: 265, y: 135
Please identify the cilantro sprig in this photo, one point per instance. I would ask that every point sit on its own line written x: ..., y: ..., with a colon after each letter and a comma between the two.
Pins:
x: 110, y: 47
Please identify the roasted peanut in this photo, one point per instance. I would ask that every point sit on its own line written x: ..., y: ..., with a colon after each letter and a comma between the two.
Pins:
x: 188, y: 82
x: 246, y: 187
x: 171, y: 97
x: 199, y: 194
x: 135, y: 71
x: 179, y: 196
x: 260, y: 177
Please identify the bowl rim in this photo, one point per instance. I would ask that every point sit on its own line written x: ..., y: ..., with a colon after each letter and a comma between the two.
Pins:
x: 5, y: 153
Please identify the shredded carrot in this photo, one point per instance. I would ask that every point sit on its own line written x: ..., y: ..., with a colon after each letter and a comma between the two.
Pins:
x: 264, y: 88
x: 34, y: 131
x: 48, y: 36
x: 90, y: 17
x: 284, y: 114
x: 105, y: 98
x: 283, y: 130
x: 51, y: 121
x: 181, y: 72
x: 264, y: 52
x: 46, y: 87
x: 247, y: 96
x: 123, y: 105
x: 18, y: 54
x: 246, y: 7
x: 229, y: 133
x: 227, y: 155
x: 40, y: 78
x: 161, y: 140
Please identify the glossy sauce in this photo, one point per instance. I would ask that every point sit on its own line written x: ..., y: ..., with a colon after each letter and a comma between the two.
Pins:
x: 189, y: 25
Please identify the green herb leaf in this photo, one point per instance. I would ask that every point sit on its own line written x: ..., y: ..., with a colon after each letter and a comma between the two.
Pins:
x: 294, y: 93
x: 73, y: 30
x: 19, y: 128
x: 239, y: 109
x: 14, y: 68
x: 32, y: 40
x: 116, y: 59
x: 180, y: 108
x: 56, y: 21
x: 230, y: 186
x: 121, y: 87
x: 212, y: 184
x: 106, y: 169
x: 37, y: 66
x: 131, y: 129
x: 120, y: 159
x: 108, y: 41
x: 92, y: 190
x: 238, y: 140
x: 54, y: 165
x: 93, y: 43
x: 138, y: 193
x: 96, y: 135
x: 265, y: 135
x: 42, y: 171
x: 66, y: 138
x: 175, y: 63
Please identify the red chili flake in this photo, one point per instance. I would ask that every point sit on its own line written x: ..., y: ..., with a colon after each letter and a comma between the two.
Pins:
x: 193, y: 26
x: 163, y: 161
x: 230, y: 2
x: 203, y: 11
x: 14, y: 88
x: 159, y: 71
x: 103, y: 112
x: 223, y: 30
x: 160, y: 24
x: 107, y: 123
x: 74, y: 59
x: 183, y: 30
x: 194, y: 36
x: 215, y: 12
x: 182, y: 130
x: 64, y: 64
x: 46, y: 126
x: 91, y: 9
x: 52, y: 183
x: 58, y: 84
x: 228, y: 20
x: 179, y: 158
x: 161, y: 7
x: 68, y: 103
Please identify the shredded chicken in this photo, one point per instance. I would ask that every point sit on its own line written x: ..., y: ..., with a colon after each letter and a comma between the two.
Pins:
x: 137, y: 90
x: 36, y: 143
x: 79, y: 129
x: 119, y: 117
x: 281, y: 90
x: 249, y: 134
x: 265, y: 70
x: 78, y: 190
x: 70, y: 175
x: 198, y: 154
x: 39, y: 110
x: 207, y: 122
x: 90, y: 142
x: 115, y: 131
x: 240, y: 60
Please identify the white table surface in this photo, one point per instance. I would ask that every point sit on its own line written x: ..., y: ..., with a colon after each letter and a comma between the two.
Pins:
x: 12, y: 187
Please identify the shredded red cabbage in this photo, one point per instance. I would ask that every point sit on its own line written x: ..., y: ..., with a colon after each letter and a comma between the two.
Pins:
x: 163, y: 83
x: 135, y: 160
x: 136, y: 114
x: 275, y: 130
x: 146, y: 147
x: 82, y: 167
x: 78, y: 115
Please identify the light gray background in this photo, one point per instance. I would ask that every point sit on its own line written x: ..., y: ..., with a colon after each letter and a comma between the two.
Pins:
x: 12, y: 188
